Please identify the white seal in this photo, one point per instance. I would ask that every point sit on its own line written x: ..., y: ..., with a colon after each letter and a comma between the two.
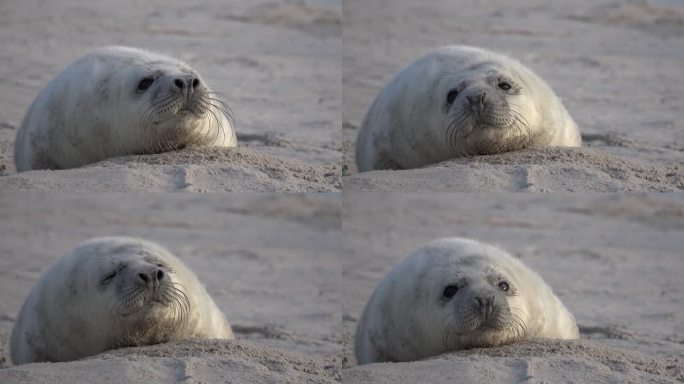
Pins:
x: 461, y: 101
x: 113, y: 292
x: 117, y: 101
x: 456, y: 294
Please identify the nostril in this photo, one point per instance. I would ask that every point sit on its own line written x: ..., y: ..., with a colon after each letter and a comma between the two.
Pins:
x: 144, y: 277
x: 160, y: 274
x: 195, y: 82
x: 178, y: 83
x: 477, y: 100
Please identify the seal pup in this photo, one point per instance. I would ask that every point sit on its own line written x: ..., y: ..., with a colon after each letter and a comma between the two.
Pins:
x: 113, y: 292
x: 117, y: 101
x: 454, y: 294
x: 461, y: 101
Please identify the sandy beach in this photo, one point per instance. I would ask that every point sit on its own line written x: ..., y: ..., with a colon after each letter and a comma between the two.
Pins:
x: 617, y: 66
x: 277, y: 62
x: 271, y: 264
x: 615, y: 262
x: 291, y: 240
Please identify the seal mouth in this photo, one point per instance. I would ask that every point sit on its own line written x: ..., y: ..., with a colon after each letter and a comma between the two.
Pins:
x: 488, y: 327
x: 485, y: 126
x: 180, y: 114
x: 136, y: 301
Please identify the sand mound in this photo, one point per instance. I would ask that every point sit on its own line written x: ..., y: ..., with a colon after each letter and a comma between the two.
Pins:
x: 539, y: 170
x: 580, y: 361
x: 190, y: 170
x: 191, y: 361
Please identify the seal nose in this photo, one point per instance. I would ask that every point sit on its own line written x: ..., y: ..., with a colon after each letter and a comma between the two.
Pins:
x: 154, y: 276
x: 484, y: 304
x: 477, y: 102
x: 191, y: 82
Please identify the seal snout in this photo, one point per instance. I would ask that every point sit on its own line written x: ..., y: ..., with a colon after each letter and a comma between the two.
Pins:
x: 186, y: 85
x: 485, y: 305
x: 190, y: 82
x: 152, y: 278
x: 478, y: 102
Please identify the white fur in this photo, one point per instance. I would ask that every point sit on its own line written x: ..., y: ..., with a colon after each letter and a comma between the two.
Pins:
x: 91, y: 112
x: 68, y: 314
x: 405, y: 126
x: 405, y: 320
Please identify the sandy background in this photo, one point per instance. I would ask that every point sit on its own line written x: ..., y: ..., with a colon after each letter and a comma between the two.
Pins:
x: 615, y: 261
x: 270, y: 262
x: 617, y: 65
x: 278, y: 63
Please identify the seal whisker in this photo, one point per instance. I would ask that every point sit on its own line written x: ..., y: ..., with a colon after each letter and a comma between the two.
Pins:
x: 216, y: 118
x: 225, y: 108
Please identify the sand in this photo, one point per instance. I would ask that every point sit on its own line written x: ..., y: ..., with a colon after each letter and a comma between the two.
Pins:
x: 188, y: 170
x: 617, y: 66
x: 615, y: 262
x: 198, y: 361
x: 270, y: 262
x: 277, y: 62
x: 538, y: 170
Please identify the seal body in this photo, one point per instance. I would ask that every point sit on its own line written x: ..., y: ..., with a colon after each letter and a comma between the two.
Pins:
x: 109, y: 293
x: 118, y: 101
x: 461, y: 101
x: 455, y: 294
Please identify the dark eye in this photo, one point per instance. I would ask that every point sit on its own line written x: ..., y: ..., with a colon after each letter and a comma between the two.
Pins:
x: 451, y: 96
x: 504, y: 286
x: 109, y: 277
x: 504, y: 85
x: 145, y: 83
x: 450, y: 291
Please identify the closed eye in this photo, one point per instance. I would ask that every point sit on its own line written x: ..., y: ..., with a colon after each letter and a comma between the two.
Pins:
x: 109, y: 277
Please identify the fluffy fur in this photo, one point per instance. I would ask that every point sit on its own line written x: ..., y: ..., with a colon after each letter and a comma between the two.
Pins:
x: 455, y: 294
x: 461, y: 101
x: 113, y: 292
x: 118, y: 101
